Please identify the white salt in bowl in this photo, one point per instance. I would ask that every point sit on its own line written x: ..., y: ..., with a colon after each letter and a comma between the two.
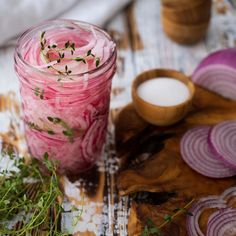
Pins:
x: 164, y: 105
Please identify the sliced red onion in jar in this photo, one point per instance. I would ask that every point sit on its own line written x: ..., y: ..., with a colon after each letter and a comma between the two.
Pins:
x: 222, y: 223
x: 197, y: 154
x: 217, y: 72
x: 222, y: 139
x: 203, y: 204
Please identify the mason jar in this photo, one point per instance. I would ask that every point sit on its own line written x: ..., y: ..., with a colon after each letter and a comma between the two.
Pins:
x: 65, y: 70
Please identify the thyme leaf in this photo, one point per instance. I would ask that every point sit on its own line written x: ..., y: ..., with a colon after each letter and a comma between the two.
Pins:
x: 89, y: 53
x: 97, y: 61
x: 168, y: 218
x: 67, y: 130
x: 72, y: 46
x: 33, y: 126
x: 80, y: 59
x: 67, y: 44
x: 51, y: 132
x: 39, y: 92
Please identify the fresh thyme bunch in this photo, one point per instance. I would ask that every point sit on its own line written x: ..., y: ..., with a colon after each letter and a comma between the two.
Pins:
x: 29, y: 196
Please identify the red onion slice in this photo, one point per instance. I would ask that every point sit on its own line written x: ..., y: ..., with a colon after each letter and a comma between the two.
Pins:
x: 197, y: 154
x: 217, y: 72
x: 222, y: 139
x: 229, y: 195
x: 222, y: 223
x: 193, y: 228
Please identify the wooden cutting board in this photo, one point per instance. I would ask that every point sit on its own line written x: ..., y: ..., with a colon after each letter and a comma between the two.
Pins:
x: 151, y: 162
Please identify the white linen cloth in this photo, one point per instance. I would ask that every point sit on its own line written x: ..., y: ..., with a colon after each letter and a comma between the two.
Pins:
x: 18, y: 15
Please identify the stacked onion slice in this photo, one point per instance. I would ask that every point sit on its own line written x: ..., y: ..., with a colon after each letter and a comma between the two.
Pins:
x: 222, y: 222
x: 211, y: 151
x: 217, y: 72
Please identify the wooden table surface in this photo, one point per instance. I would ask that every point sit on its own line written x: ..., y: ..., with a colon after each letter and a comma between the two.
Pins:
x: 141, y: 45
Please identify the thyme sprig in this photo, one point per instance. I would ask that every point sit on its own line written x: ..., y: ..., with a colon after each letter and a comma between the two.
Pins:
x: 151, y: 229
x: 67, y: 130
x: 77, y: 218
x: 34, y: 126
x: 16, y: 202
x: 97, y: 61
x: 39, y: 92
x: 61, y: 54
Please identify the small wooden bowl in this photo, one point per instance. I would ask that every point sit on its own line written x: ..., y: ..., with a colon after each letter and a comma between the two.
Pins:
x: 161, y: 115
x: 184, y: 34
x: 181, y: 4
x: 197, y: 13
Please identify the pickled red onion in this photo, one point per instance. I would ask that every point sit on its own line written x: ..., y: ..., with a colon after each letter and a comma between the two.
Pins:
x: 84, y: 41
x: 78, y: 101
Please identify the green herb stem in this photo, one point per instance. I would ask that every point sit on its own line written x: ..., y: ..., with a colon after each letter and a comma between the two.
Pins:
x: 68, y: 46
x: 21, y: 198
x: 177, y: 213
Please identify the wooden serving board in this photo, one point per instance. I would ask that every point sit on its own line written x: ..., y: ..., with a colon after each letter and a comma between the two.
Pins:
x: 151, y: 162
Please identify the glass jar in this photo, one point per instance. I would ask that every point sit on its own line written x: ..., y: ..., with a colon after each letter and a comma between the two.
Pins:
x: 65, y: 69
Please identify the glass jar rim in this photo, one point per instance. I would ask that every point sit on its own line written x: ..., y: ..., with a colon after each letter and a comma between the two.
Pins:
x: 61, y: 21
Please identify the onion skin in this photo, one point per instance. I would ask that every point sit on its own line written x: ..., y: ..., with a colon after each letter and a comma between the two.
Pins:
x: 222, y: 57
x: 217, y: 72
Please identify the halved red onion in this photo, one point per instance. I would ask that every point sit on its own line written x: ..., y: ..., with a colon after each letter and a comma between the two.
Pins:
x: 197, y: 154
x: 193, y: 228
x: 222, y: 139
x: 222, y: 223
x: 217, y: 72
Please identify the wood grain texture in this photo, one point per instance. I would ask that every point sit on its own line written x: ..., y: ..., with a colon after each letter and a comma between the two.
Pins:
x: 163, y: 169
x: 167, y: 165
x: 184, y: 34
x: 187, y: 13
x: 136, y: 41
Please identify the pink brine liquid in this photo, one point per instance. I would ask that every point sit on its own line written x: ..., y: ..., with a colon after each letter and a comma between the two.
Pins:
x: 65, y: 70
